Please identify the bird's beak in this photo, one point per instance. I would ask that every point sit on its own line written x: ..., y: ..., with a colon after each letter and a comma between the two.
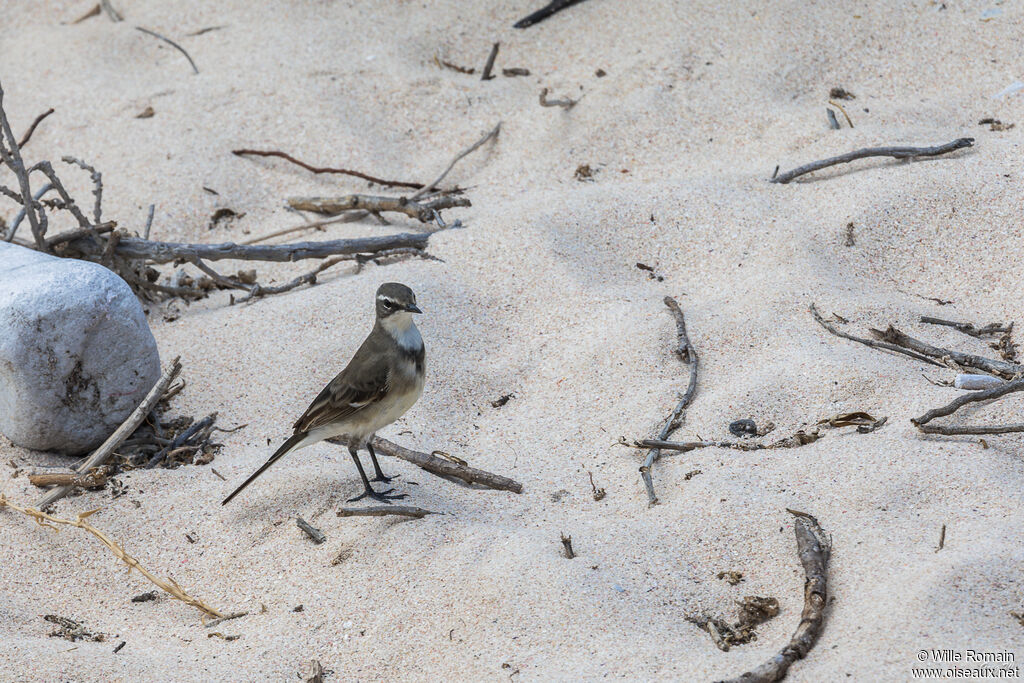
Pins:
x: 413, y: 308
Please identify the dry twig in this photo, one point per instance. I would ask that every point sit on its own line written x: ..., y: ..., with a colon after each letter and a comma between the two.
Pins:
x: 447, y: 468
x: 106, y: 449
x: 869, y: 342
x: 973, y: 397
x: 32, y: 128
x: 895, y: 152
x: 310, y: 530
x: 544, y: 12
x: 999, y: 368
x: 814, y: 548
x: 384, y: 510
x: 688, y: 355
x: 170, y: 585
x: 170, y: 42
x: 423, y: 212
x: 490, y: 62
x: 325, y: 169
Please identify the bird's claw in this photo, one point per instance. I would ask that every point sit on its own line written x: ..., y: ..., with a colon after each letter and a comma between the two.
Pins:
x: 382, y: 496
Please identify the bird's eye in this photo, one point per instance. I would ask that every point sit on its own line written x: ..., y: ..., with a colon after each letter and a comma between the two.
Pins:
x: 388, y: 304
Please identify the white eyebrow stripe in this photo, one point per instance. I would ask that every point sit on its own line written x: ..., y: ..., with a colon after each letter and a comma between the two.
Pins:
x: 386, y: 298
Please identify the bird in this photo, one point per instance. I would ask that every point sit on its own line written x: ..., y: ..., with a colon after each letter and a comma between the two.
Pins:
x: 381, y: 382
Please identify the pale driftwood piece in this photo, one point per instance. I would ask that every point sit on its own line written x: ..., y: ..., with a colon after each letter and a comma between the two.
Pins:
x: 566, y: 103
x: 895, y: 152
x: 814, y: 549
x: 446, y: 468
x: 384, y: 510
x: 688, y: 355
x: 950, y: 408
x: 870, y: 342
x: 423, y: 212
x: 429, y: 187
x: 103, y: 453
x: 164, y: 252
x: 79, y: 233
x: 173, y: 44
x: 999, y: 368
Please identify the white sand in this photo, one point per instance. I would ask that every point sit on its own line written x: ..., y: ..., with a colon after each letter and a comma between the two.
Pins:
x: 539, y: 296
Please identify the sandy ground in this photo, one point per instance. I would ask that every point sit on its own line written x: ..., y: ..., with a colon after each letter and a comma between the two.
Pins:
x: 540, y: 296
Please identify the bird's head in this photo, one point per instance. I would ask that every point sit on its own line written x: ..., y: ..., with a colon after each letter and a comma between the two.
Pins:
x: 395, y: 298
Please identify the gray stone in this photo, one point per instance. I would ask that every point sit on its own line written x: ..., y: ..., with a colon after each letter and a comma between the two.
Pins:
x: 76, y: 353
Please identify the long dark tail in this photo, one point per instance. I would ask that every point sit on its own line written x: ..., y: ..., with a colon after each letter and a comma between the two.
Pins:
x: 278, y: 454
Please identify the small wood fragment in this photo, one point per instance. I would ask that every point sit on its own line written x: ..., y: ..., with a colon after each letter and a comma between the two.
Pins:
x: 310, y: 530
x: 384, y: 510
x: 487, y: 75
x: 567, y: 546
x: 895, y: 152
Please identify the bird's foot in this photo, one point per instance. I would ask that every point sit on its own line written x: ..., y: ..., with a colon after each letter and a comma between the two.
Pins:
x: 380, y: 477
x: 382, y: 496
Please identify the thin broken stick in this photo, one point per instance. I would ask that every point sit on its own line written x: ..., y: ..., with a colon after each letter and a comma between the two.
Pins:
x: 103, y: 453
x: 429, y: 187
x: 384, y: 510
x: 170, y: 42
x: 973, y: 397
x: 544, y: 12
x: 688, y: 355
x: 325, y: 169
x: 813, y: 547
x: 170, y: 585
x: 447, y: 468
x: 895, y: 152
x: 32, y: 128
x: 969, y: 328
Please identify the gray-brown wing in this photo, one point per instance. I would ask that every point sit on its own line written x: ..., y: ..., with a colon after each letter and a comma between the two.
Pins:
x: 352, y: 390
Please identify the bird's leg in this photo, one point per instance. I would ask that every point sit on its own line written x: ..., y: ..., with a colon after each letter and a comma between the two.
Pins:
x: 376, y: 465
x: 383, y: 496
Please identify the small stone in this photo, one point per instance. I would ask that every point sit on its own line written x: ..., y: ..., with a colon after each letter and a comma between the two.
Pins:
x: 76, y: 353
x: 744, y: 427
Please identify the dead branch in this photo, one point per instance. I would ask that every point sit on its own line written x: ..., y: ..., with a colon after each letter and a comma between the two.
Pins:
x: 170, y: 586
x: 10, y: 155
x: 895, y: 152
x: 112, y: 13
x: 310, y: 530
x: 165, y: 252
x: 813, y: 548
x: 566, y: 103
x: 567, y: 546
x: 969, y: 328
x: 383, y: 510
x: 973, y: 397
x: 688, y: 355
x: 869, y: 342
x: 543, y: 13
x: 447, y: 468
x: 424, y: 212
x: 173, y: 44
x: 489, y: 65
x: 999, y: 368
x: 325, y: 169
x: 32, y: 128
x: 103, y: 453
x: 97, y: 183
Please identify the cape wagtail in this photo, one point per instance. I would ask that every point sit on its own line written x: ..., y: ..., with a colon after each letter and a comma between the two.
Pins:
x: 382, y: 381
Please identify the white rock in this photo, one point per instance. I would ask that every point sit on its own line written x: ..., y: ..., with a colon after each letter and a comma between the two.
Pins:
x: 964, y: 381
x: 76, y: 352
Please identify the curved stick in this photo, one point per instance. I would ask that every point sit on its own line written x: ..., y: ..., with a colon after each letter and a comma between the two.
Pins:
x: 895, y: 152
